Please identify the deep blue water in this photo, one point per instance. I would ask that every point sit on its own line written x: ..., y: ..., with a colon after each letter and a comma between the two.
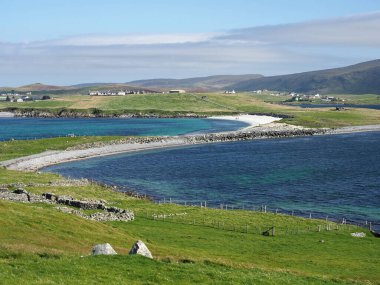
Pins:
x: 35, y: 128
x: 332, y: 105
x: 335, y: 175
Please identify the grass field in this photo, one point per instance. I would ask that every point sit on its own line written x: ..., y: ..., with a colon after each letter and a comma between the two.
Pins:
x: 43, y: 238
x: 212, y: 104
x: 40, y: 245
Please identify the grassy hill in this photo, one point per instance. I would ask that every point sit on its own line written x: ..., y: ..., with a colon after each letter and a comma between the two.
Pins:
x: 205, y: 104
x: 40, y: 245
x: 362, y: 78
x: 209, y: 83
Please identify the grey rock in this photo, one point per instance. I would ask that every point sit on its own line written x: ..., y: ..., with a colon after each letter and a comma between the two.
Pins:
x: 10, y: 196
x: 140, y: 248
x: 50, y: 196
x: 103, y: 249
x: 20, y: 191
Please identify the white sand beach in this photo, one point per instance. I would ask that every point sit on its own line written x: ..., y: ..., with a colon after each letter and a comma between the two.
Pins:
x: 6, y: 115
x: 252, y: 120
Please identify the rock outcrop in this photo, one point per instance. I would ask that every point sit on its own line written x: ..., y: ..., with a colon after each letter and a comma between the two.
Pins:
x: 103, y: 249
x: 140, y: 248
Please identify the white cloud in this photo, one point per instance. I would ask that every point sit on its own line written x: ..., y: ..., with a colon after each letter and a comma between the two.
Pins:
x: 108, y: 40
x: 268, y: 50
x: 358, y: 30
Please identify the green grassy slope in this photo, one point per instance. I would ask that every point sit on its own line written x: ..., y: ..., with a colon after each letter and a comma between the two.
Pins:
x: 210, y: 104
x: 40, y: 245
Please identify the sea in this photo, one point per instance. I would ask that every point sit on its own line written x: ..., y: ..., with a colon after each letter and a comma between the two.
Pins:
x: 38, y: 128
x: 326, y: 176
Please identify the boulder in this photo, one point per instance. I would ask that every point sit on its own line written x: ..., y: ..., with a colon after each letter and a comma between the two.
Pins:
x: 103, y: 249
x: 140, y: 248
x: 20, y: 191
x: 50, y: 196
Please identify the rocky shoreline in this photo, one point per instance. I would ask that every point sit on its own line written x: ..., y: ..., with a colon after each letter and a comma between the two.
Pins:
x: 97, y: 113
x: 93, y: 113
x: 273, y: 130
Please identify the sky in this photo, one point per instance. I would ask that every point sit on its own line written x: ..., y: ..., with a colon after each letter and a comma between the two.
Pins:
x: 80, y: 41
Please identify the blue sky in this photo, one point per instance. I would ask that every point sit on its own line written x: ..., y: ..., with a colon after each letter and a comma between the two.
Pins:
x: 68, y: 42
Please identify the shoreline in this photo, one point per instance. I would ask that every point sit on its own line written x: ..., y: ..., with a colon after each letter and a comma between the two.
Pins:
x: 260, y: 127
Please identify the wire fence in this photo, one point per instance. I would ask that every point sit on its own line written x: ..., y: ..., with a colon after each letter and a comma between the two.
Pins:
x: 267, y: 227
x: 319, y: 221
x: 274, y: 229
x: 309, y: 214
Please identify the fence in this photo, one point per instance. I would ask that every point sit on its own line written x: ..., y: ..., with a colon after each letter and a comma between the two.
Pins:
x: 247, y: 227
x: 321, y: 221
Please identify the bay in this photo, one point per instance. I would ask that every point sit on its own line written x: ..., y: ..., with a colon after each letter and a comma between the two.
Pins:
x: 332, y: 175
x: 37, y: 128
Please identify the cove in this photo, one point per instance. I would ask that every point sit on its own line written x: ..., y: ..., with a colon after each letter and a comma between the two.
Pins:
x: 37, y: 128
x: 331, y: 175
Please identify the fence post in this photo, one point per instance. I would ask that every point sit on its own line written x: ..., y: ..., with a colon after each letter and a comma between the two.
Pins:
x: 319, y: 228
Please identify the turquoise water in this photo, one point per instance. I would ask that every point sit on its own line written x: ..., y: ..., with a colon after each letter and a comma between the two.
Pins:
x: 335, y: 175
x: 36, y: 128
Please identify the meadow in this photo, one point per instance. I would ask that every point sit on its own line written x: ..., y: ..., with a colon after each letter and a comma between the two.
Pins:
x: 208, y: 104
x: 191, y: 244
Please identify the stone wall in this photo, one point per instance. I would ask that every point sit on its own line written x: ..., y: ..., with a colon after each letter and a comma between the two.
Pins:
x: 106, y: 213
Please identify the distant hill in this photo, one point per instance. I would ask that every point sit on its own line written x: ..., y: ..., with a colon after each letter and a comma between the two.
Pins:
x: 42, y: 87
x: 84, y: 85
x: 360, y: 78
x: 209, y: 83
x: 79, y: 89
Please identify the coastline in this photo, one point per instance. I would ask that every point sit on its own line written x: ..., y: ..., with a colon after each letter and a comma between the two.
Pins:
x: 251, y: 120
x: 260, y: 127
x: 6, y: 114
